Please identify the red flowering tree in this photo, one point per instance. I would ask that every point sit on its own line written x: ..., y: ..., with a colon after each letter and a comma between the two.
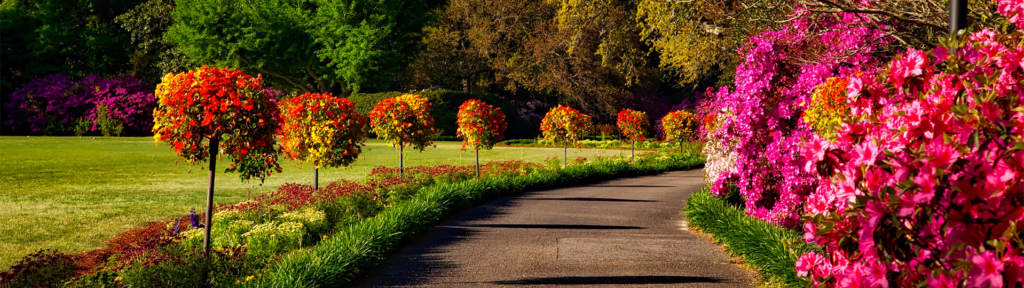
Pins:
x: 680, y: 126
x: 633, y: 125
x: 480, y: 126
x: 565, y: 125
x: 209, y: 110
x: 322, y: 129
x: 404, y: 121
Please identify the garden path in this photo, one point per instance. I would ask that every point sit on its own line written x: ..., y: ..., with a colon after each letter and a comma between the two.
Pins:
x: 624, y: 232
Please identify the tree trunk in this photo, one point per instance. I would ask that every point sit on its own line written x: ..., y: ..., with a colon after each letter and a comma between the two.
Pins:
x: 214, y: 142
x: 632, y: 151
x: 401, y: 159
x: 477, y: 163
x: 680, y: 146
x: 565, y: 154
x: 316, y: 178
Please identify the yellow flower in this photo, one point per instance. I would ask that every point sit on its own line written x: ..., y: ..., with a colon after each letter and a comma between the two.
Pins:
x: 117, y: 279
x: 249, y: 278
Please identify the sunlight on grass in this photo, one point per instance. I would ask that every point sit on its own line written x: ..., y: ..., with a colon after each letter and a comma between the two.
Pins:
x: 73, y: 193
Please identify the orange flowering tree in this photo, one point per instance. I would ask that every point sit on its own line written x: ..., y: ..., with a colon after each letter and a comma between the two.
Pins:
x: 322, y: 129
x: 480, y: 126
x: 680, y: 126
x: 210, y: 110
x: 633, y: 125
x: 404, y: 121
x: 565, y: 125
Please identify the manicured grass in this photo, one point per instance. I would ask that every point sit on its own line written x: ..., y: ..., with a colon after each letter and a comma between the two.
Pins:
x: 767, y: 248
x: 73, y: 193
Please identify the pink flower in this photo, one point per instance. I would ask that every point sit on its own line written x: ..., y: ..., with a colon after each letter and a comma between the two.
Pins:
x: 865, y: 153
x: 987, y: 270
x: 807, y: 263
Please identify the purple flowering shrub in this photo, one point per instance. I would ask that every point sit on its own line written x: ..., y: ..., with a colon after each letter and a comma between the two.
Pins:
x: 760, y: 121
x: 55, y: 105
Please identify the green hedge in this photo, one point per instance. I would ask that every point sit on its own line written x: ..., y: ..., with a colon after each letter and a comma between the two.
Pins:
x: 341, y: 258
x: 770, y: 249
x: 446, y: 107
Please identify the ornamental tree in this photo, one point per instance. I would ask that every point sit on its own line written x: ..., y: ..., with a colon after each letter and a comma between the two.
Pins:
x: 633, y: 125
x: 207, y: 111
x: 480, y: 126
x: 321, y: 129
x: 679, y: 126
x: 565, y: 125
x: 404, y: 121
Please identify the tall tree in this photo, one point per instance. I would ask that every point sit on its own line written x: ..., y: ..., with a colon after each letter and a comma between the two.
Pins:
x: 340, y: 45
x: 152, y: 56
x: 697, y: 40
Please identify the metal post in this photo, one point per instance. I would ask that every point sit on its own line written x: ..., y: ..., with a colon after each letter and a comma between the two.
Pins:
x: 957, y: 16
x: 214, y: 142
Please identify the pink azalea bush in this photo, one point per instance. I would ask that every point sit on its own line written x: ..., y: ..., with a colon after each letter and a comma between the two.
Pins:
x: 923, y: 184
x: 761, y: 117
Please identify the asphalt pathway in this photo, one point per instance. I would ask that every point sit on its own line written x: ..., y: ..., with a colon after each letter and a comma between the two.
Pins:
x: 625, y: 232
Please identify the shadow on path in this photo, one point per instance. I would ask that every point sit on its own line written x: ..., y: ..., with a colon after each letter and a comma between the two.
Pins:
x: 554, y: 226
x: 594, y: 199
x: 598, y: 280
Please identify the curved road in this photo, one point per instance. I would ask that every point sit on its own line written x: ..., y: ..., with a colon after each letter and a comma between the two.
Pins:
x: 625, y: 232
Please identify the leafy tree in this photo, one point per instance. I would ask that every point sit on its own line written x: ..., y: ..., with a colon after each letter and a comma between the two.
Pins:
x: 480, y: 126
x: 152, y: 55
x: 633, y: 125
x: 680, y: 126
x: 303, y: 44
x: 566, y: 125
x: 322, y: 129
x: 208, y: 111
x: 697, y: 40
x: 404, y: 121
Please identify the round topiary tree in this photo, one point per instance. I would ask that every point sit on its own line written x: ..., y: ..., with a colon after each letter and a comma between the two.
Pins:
x: 679, y: 126
x: 209, y: 110
x: 633, y: 125
x: 402, y: 121
x: 480, y: 126
x: 322, y: 129
x: 565, y: 125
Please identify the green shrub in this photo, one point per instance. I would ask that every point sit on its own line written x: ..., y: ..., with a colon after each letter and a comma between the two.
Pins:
x: 186, y: 266
x: 266, y: 240
x: 769, y: 249
x: 108, y: 126
x: 352, y: 208
x: 314, y: 221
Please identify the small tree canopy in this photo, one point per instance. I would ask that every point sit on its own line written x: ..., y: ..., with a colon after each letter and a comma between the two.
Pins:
x: 633, y: 124
x: 480, y: 124
x: 196, y: 106
x: 322, y: 129
x: 403, y: 121
x: 564, y: 124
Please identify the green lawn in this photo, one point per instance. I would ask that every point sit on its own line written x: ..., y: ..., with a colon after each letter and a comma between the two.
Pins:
x: 73, y: 193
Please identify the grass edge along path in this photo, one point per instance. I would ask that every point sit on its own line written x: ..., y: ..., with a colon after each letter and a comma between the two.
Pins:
x: 348, y: 254
x: 770, y: 250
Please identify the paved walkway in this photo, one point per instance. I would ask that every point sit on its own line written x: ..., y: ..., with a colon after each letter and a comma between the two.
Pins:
x: 625, y: 232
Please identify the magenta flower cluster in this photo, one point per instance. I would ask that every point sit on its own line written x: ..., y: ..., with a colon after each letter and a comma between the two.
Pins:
x: 921, y: 186
x: 924, y: 183
x: 761, y: 116
x: 53, y: 104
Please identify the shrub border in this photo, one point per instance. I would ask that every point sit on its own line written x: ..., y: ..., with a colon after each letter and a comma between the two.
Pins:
x: 345, y: 256
x: 771, y: 250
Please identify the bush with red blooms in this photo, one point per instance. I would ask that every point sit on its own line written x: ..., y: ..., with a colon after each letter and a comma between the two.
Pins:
x: 322, y: 129
x: 680, y: 126
x: 480, y: 124
x: 565, y: 125
x: 922, y: 184
x: 633, y: 124
x: 222, y: 103
x: 404, y: 121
